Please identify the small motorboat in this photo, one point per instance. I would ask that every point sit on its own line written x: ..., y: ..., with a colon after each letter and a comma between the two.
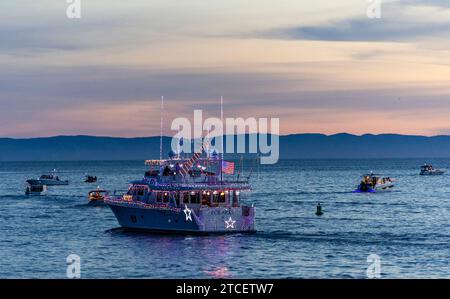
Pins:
x: 373, y: 183
x: 90, y: 179
x: 428, y: 169
x: 52, y: 180
x: 34, y: 188
x: 97, y: 196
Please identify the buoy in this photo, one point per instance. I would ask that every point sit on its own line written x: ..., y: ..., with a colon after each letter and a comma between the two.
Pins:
x: 319, y: 211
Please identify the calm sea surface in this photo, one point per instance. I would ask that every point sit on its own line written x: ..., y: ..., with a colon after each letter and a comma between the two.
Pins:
x: 409, y: 227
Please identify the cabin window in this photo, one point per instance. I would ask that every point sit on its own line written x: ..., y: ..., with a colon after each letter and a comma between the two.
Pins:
x: 235, y: 198
x: 186, y: 197
x: 206, y: 198
x: 195, y: 197
x: 215, y: 197
x: 159, y: 197
x: 222, y: 197
x: 166, y: 197
x: 177, y: 198
x: 137, y: 191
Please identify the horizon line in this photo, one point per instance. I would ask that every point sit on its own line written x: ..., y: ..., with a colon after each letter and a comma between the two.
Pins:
x: 280, y: 135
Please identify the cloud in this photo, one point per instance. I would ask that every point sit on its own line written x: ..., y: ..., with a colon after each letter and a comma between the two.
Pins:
x: 431, y: 3
x: 42, y: 26
x: 31, y: 39
x: 363, y: 30
x: 104, y: 74
x: 400, y: 22
x: 115, y: 84
x: 125, y: 101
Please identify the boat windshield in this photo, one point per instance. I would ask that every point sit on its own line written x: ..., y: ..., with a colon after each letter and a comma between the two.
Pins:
x: 138, y: 190
x: 98, y: 192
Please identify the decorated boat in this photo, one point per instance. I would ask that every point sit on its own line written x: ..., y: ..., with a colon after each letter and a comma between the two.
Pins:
x: 97, y: 196
x: 195, y: 196
x: 374, y: 183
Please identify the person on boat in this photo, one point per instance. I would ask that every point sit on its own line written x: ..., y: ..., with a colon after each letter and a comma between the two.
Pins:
x: 166, y: 171
x: 363, y: 186
x: 177, y: 168
x: 366, y: 184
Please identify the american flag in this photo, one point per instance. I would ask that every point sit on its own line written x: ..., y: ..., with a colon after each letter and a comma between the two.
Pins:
x: 228, y: 167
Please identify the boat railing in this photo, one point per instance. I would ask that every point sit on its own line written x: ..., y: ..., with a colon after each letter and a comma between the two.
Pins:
x: 179, y: 179
x: 202, y: 186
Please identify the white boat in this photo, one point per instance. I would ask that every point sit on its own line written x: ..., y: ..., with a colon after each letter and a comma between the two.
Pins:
x: 428, y: 169
x: 34, y: 188
x: 52, y: 180
x: 174, y: 199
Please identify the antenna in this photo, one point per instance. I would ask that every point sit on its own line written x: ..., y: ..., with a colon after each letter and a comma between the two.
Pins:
x: 221, y: 150
x: 241, y: 173
x: 161, y: 131
x: 242, y: 165
x: 251, y: 169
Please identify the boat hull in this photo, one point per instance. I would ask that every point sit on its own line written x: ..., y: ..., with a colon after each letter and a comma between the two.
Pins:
x: 176, y: 220
x: 96, y: 203
x: 378, y: 188
x: 434, y: 172
x: 34, y: 188
x: 36, y: 193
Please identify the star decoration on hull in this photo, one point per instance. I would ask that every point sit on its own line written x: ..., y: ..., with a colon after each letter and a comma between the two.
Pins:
x: 230, y: 223
x: 187, y: 212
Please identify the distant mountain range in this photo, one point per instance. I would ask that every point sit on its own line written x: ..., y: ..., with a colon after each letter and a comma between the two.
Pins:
x: 307, y: 146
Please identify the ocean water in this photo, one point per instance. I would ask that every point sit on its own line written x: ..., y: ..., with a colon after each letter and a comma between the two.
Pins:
x: 408, y: 227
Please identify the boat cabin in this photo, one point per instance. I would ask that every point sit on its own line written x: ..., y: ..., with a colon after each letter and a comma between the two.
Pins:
x: 177, y: 197
x: 49, y: 177
x: 35, y: 189
x: 197, y: 182
x: 97, y: 194
x: 375, y: 179
x: 426, y: 167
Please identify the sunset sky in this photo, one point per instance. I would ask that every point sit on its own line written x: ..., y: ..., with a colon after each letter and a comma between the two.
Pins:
x: 320, y: 66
